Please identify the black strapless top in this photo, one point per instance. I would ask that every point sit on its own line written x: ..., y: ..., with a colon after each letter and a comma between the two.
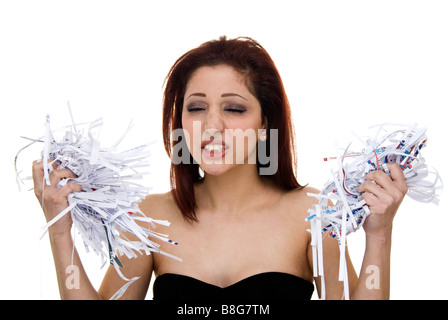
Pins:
x: 262, y: 286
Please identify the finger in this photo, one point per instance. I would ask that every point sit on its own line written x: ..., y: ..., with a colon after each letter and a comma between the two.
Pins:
x: 69, y: 188
x: 370, y: 199
x: 397, y: 176
x: 38, y: 178
x: 57, y: 175
x: 380, y: 178
x: 396, y: 173
x: 370, y: 187
x: 38, y: 171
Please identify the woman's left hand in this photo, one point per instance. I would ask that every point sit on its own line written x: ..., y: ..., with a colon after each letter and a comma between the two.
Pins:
x: 383, y: 195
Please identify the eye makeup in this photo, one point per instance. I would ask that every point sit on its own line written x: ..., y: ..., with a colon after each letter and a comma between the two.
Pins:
x: 234, y: 107
x: 195, y: 106
x: 228, y: 106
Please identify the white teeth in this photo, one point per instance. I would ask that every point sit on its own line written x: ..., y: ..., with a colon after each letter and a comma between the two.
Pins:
x: 214, y: 148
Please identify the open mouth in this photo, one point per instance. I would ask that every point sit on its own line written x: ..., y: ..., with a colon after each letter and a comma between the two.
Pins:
x: 214, y: 149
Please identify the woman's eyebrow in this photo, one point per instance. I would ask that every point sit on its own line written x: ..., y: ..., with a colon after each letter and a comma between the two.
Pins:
x: 224, y: 95
x: 232, y: 95
x: 198, y: 94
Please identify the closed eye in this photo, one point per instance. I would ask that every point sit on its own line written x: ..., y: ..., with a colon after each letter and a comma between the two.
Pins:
x: 235, y: 108
x: 195, y: 107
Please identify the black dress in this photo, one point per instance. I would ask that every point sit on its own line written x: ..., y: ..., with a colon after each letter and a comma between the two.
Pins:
x: 262, y: 286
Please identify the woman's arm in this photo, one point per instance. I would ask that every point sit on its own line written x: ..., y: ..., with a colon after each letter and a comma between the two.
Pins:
x: 334, y: 289
x: 383, y: 195
x: 73, y: 281
x: 374, y: 277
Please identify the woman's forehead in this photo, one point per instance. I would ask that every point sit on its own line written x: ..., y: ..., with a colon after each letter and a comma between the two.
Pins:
x: 222, y: 79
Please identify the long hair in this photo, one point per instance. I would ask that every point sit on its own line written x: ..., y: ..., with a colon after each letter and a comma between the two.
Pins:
x: 250, y: 59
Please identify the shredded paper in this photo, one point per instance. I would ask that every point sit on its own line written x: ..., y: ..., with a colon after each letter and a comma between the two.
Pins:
x: 347, y: 215
x: 107, y: 207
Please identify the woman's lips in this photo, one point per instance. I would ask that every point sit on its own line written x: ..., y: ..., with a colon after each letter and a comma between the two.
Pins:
x: 213, y: 149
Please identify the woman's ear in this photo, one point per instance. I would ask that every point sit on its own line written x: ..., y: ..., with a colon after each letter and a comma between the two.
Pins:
x: 263, y: 136
x: 262, y: 133
x: 264, y: 123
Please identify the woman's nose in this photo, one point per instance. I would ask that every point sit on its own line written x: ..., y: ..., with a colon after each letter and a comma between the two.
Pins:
x: 214, y: 121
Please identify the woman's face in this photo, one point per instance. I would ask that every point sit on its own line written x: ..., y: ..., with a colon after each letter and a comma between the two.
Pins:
x: 221, y: 119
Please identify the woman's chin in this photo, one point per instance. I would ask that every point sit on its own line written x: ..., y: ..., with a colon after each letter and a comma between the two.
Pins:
x: 217, y: 169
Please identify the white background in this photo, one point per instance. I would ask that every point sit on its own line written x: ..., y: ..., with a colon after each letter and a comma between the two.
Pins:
x: 346, y: 65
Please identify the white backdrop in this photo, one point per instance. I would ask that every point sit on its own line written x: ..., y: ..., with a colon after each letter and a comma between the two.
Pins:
x: 346, y: 65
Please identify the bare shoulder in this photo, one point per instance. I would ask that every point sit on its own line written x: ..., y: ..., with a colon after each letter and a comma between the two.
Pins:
x: 301, y: 200
x: 159, y: 206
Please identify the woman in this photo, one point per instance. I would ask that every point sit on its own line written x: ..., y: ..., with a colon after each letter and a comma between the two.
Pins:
x: 240, y: 228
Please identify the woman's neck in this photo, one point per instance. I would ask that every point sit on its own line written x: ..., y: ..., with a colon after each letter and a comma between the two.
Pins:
x: 232, y: 191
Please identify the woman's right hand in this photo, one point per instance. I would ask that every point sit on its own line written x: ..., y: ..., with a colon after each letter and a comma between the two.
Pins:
x: 52, y: 199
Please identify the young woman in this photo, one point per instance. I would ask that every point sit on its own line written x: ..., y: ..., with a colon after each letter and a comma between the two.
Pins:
x: 238, y: 218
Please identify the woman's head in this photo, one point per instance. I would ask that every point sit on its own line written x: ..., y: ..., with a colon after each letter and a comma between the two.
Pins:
x: 221, y: 120
x: 237, y: 82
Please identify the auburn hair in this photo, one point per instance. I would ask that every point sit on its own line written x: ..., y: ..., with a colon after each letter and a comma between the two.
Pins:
x: 263, y: 80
